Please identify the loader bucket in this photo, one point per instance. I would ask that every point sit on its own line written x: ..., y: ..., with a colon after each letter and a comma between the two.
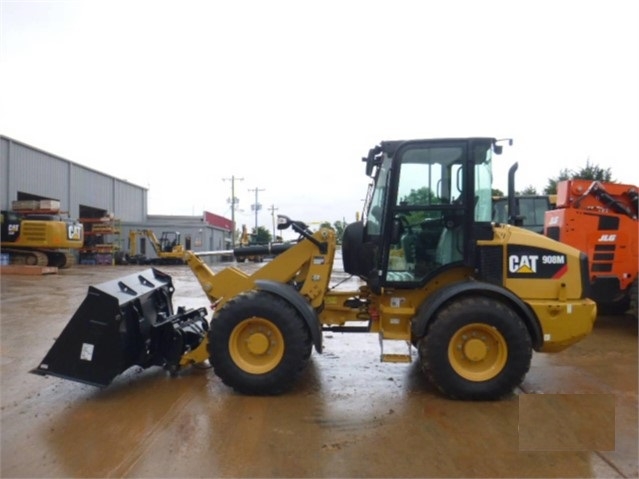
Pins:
x: 123, y: 323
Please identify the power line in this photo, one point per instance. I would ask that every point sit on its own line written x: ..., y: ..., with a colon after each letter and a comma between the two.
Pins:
x: 273, y: 209
x: 233, y: 200
x: 256, y: 206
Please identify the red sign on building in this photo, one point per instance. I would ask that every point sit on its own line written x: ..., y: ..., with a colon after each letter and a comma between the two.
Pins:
x: 218, y: 221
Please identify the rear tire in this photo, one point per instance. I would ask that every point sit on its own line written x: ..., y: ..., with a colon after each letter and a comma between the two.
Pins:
x: 615, y: 308
x: 477, y: 348
x: 258, y: 344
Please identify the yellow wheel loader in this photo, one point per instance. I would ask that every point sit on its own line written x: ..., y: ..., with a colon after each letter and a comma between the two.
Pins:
x: 468, y: 298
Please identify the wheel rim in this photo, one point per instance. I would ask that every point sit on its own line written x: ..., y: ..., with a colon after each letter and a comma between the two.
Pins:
x: 477, y: 352
x: 256, y: 345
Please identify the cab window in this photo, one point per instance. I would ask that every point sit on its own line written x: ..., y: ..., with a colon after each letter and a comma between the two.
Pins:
x: 429, y: 198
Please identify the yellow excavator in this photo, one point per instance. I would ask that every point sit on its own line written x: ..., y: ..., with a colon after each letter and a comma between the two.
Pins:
x: 40, y: 239
x: 168, y: 248
x: 439, y: 283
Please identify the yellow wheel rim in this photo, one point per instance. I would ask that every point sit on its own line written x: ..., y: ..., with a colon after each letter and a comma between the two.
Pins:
x: 477, y: 352
x: 256, y: 345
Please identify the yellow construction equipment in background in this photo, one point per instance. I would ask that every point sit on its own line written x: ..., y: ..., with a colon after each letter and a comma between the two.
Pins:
x: 168, y: 248
x: 40, y: 238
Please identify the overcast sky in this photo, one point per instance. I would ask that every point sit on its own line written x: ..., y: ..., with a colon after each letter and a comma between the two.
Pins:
x: 287, y: 96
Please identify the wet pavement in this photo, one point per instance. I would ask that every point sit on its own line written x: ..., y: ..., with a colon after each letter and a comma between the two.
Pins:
x: 349, y: 415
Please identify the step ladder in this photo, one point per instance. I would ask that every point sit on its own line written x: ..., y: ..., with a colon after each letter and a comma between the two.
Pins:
x: 395, y: 332
x: 396, y: 345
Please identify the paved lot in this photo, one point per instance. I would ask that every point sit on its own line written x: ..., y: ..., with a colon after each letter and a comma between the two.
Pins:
x: 575, y: 415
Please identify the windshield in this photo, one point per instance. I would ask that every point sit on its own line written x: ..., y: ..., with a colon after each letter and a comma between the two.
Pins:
x: 483, y: 182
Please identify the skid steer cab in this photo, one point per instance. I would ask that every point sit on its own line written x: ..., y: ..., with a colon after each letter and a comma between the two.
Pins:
x: 438, y: 283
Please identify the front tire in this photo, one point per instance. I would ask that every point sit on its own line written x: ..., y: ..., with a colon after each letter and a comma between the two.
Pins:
x: 477, y: 348
x: 258, y: 343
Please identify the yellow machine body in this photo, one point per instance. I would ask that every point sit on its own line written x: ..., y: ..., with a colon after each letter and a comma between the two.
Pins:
x: 40, y: 241
x: 167, y: 248
x: 433, y: 277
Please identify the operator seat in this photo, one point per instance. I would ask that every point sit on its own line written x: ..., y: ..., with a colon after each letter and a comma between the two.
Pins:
x: 450, y: 244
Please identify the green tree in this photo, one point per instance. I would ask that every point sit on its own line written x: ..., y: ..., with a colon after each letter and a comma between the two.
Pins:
x: 529, y: 190
x: 595, y: 173
x: 263, y: 236
x: 327, y: 224
x: 420, y: 196
x: 589, y: 172
x: 339, y: 227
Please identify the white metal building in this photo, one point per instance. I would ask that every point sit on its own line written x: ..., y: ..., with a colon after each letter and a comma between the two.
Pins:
x: 28, y: 173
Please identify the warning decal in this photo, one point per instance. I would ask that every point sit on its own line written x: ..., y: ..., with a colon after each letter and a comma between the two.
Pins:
x: 86, y: 354
x: 531, y: 262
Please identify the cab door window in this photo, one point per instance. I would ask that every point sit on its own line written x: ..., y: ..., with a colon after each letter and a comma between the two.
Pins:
x: 427, y: 212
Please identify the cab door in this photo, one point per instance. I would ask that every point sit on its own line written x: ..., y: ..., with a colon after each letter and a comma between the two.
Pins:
x: 438, y: 190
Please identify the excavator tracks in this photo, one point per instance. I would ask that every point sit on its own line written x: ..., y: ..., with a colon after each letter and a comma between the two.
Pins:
x: 58, y: 259
x: 27, y: 258
x: 61, y: 259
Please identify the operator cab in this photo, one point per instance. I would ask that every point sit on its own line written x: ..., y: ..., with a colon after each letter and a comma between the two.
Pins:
x: 9, y: 225
x: 428, y: 204
x: 169, y: 240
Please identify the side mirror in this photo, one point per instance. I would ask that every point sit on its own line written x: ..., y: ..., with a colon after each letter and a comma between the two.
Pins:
x: 498, y: 149
x: 283, y: 222
x: 372, y: 159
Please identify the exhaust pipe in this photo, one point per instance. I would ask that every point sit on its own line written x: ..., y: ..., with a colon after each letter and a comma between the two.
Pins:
x: 513, y: 206
x: 123, y: 323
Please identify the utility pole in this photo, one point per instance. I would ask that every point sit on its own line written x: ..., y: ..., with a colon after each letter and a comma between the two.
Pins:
x: 273, y: 209
x: 256, y: 206
x: 233, y: 200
